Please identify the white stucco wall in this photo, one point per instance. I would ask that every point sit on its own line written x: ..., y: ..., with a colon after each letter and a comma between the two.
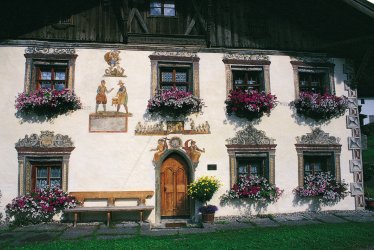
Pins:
x: 123, y: 161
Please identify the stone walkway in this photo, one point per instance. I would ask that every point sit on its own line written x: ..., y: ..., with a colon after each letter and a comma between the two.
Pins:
x: 65, y: 231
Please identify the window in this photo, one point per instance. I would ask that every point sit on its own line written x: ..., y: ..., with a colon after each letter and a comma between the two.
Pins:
x: 317, y: 163
x: 177, y: 68
x: 51, y: 74
x: 256, y: 165
x: 46, y: 174
x: 43, y: 160
x: 248, y: 78
x: 315, y: 81
x: 313, y: 75
x: 318, y: 152
x: 251, y: 152
x: 247, y: 72
x: 162, y: 8
x: 49, y: 68
x: 178, y: 76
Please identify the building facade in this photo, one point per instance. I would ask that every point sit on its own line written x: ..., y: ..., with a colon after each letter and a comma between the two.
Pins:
x: 97, y: 148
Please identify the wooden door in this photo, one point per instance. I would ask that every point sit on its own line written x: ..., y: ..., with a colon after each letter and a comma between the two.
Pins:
x: 174, y: 180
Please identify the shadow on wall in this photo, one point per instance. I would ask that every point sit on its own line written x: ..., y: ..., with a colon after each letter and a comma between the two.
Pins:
x: 238, y: 122
x: 246, y: 206
x: 302, y: 120
x: 37, y: 119
x: 314, y: 204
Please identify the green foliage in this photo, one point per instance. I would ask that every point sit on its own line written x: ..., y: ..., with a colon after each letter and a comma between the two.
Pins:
x: 204, y: 188
x: 368, y: 162
x: 368, y: 129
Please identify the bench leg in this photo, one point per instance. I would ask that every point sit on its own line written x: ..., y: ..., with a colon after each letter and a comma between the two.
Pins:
x: 75, y: 219
x: 108, y: 215
x: 141, y: 216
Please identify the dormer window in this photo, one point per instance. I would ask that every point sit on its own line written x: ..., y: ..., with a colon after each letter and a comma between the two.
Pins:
x: 162, y: 8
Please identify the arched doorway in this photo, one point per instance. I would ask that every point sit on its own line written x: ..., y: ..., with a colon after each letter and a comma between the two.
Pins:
x: 174, y: 179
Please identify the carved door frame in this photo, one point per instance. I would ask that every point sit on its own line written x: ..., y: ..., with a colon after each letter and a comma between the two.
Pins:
x: 190, y: 171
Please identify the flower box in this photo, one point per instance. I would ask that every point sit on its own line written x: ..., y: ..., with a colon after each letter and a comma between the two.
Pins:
x: 39, y: 206
x: 320, y: 107
x: 47, y: 103
x: 174, y: 103
x: 323, y: 186
x: 249, y: 104
x: 255, y: 188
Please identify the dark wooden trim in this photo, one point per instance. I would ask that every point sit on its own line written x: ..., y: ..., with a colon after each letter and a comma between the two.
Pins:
x: 312, y: 64
x: 52, y: 56
x: 45, y: 151
x: 318, y: 147
x: 246, y: 62
x: 158, y: 47
x: 246, y: 147
x: 174, y: 58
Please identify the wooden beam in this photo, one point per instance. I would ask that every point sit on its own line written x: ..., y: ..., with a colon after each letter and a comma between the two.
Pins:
x: 365, y: 61
x: 210, y: 23
x: 346, y: 42
x: 120, y: 9
x: 131, y: 17
x: 196, y: 16
x: 141, y: 21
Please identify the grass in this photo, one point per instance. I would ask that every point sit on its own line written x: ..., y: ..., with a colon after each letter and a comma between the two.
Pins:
x: 348, y: 235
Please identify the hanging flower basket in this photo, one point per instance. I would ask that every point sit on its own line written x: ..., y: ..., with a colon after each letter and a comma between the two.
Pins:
x: 320, y: 107
x: 249, y: 104
x: 323, y: 186
x: 47, y: 103
x: 254, y: 188
x: 174, y: 103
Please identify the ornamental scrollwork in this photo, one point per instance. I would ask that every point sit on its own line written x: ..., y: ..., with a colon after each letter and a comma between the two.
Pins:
x: 190, y: 148
x: 323, y: 60
x: 46, y: 139
x: 50, y: 51
x: 318, y: 136
x: 112, y: 59
x: 247, y: 57
x: 174, y: 53
x: 250, y: 136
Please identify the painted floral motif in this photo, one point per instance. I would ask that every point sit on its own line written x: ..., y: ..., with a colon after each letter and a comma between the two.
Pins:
x: 255, y: 188
x: 320, y: 107
x: 249, y: 104
x: 324, y: 186
x: 47, y: 102
x: 39, y: 206
x: 174, y: 103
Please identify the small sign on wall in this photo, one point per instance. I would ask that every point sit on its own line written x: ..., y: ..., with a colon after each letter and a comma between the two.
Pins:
x: 212, y: 167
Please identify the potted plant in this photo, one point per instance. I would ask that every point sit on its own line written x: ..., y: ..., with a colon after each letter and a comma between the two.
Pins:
x: 208, y: 212
x: 203, y: 190
x: 249, y: 104
x: 47, y: 103
x: 323, y: 186
x: 320, y: 107
x: 255, y: 188
x: 174, y: 103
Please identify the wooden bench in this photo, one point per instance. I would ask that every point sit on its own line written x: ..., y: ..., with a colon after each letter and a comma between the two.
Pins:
x: 111, y: 197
